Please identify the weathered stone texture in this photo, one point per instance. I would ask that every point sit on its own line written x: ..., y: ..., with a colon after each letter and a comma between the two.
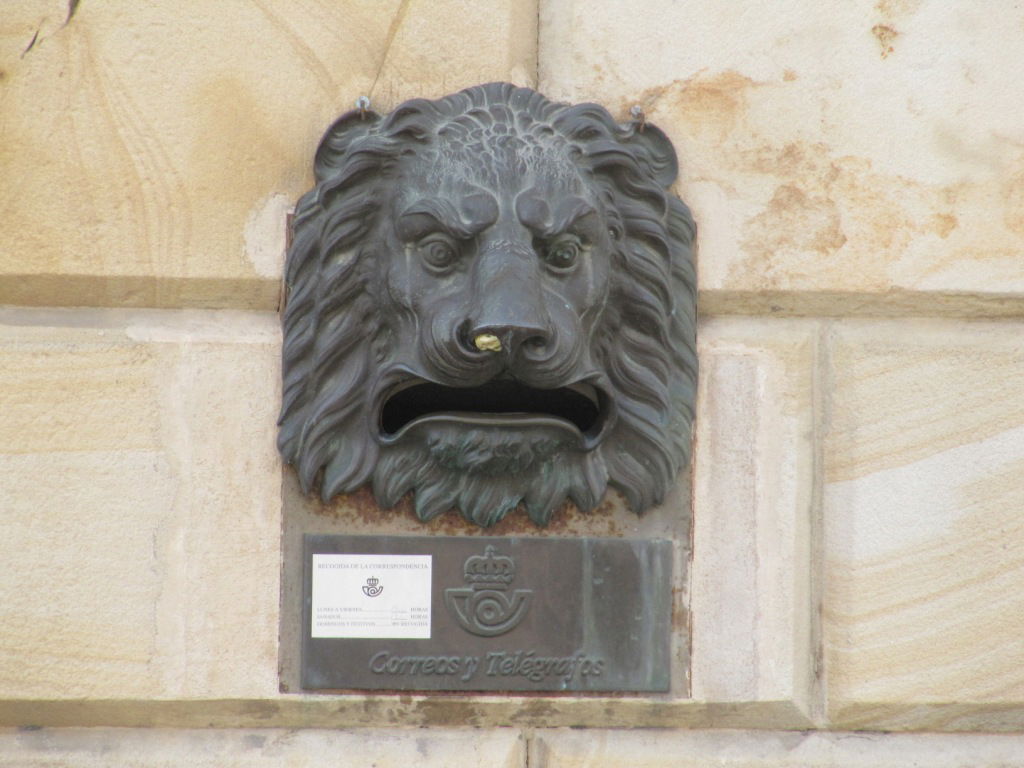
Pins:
x: 925, y: 539
x: 368, y: 748
x: 150, y: 151
x: 754, y: 461
x: 767, y: 749
x: 140, y: 504
x: 826, y: 148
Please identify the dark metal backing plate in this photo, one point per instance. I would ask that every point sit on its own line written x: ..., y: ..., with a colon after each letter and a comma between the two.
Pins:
x: 570, y: 615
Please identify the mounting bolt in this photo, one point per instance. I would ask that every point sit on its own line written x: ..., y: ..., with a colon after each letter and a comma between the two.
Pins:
x: 638, y: 115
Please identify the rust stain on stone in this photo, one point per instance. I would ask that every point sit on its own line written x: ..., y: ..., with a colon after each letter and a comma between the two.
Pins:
x: 716, y: 103
x: 885, y: 36
x: 795, y: 219
x: 363, y: 505
x: 1013, y: 194
x: 789, y: 161
x: 943, y: 224
x: 680, y: 614
x: 539, y: 710
x: 360, y: 509
x: 448, y: 711
x: 822, y: 214
x: 896, y: 9
x: 705, y: 104
x: 647, y: 98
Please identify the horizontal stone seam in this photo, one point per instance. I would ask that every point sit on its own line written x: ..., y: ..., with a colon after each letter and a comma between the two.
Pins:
x: 534, y: 713
x: 404, y: 711
x: 832, y: 304
x: 253, y: 293
x: 140, y: 292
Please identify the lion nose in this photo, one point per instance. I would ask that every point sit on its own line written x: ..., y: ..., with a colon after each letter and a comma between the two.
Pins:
x: 508, y: 336
x: 508, y: 311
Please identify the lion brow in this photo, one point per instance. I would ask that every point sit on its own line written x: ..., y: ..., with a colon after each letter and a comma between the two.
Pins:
x: 430, y: 214
x: 574, y: 213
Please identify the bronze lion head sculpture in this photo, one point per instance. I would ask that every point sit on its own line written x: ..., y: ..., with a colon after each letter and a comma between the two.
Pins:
x: 490, y: 302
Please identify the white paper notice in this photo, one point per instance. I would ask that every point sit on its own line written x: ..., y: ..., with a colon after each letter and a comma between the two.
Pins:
x: 371, y: 595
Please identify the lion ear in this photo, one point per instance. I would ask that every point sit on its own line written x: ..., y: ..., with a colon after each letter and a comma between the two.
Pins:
x: 339, y: 137
x: 657, y: 154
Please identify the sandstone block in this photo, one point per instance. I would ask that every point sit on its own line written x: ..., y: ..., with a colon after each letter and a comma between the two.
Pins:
x: 924, y: 535
x: 141, y: 503
x: 768, y: 749
x: 150, y: 153
x: 750, y: 601
x: 827, y: 149
x: 363, y: 748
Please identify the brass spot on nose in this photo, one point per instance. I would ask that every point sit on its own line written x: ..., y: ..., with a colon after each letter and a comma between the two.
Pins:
x: 487, y: 342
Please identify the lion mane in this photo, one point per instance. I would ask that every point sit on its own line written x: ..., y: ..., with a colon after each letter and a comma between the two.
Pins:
x: 335, y: 337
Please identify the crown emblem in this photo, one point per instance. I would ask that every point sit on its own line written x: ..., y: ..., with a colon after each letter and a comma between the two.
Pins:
x: 486, y: 607
x: 372, y: 587
x: 489, y: 571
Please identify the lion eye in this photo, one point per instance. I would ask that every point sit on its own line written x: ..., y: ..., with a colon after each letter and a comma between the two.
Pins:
x: 438, y: 253
x: 561, y: 255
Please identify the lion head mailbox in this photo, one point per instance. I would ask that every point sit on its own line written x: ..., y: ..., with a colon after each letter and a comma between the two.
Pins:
x: 491, y: 301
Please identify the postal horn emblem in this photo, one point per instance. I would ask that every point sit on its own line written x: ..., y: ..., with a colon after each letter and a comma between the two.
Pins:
x: 372, y: 587
x: 487, y: 607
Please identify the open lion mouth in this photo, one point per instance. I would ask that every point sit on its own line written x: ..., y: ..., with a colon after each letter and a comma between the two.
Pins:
x: 581, y: 406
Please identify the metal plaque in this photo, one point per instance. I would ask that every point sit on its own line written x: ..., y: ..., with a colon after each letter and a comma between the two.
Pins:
x: 486, y: 613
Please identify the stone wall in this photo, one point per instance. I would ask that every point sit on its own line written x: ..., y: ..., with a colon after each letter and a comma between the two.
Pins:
x: 857, y: 173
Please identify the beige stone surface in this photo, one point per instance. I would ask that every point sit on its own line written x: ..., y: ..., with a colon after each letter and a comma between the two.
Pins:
x: 924, y: 609
x: 751, y: 591
x: 149, y: 152
x: 139, y: 459
x: 367, y: 748
x: 826, y: 148
x: 768, y: 749
x: 140, y: 504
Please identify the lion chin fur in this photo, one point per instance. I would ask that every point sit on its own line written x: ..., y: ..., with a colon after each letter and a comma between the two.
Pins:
x: 337, y: 339
x: 467, y: 478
